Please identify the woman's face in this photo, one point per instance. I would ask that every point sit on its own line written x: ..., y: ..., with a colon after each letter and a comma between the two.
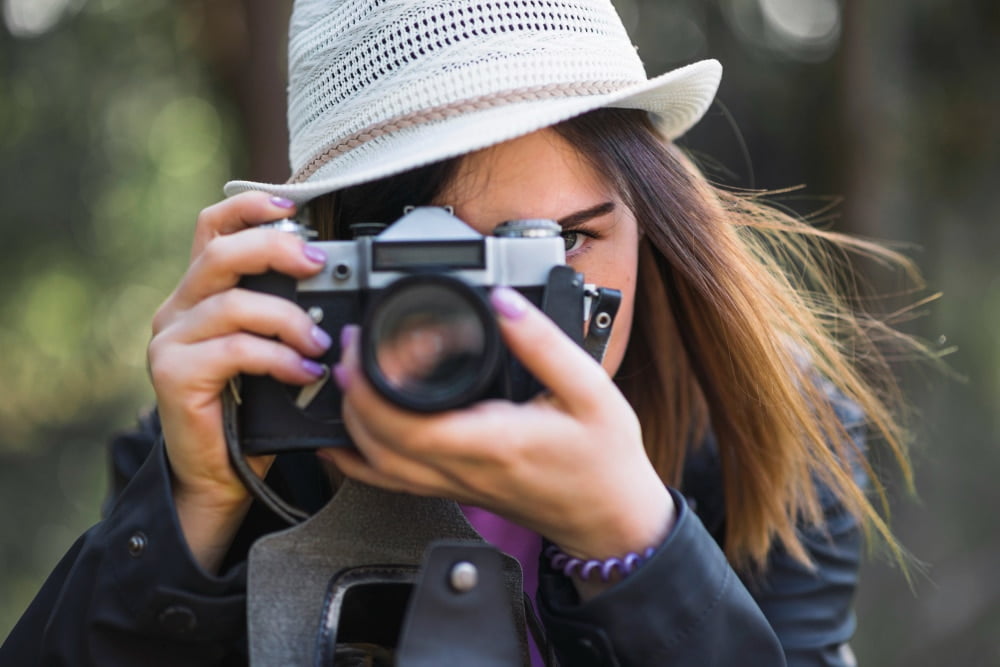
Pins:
x: 541, y: 176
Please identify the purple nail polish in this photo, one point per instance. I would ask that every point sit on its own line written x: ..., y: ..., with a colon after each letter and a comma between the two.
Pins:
x: 348, y: 335
x: 313, y: 368
x: 321, y: 337
x: 508, y: 303
x: 314, y: 254
x: 342, y: 376
x: 281, y: 202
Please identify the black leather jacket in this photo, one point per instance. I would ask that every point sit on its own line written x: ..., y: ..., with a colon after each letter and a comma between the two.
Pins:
x: 129, y: 593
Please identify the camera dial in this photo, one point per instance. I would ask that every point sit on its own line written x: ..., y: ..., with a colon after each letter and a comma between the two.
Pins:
x: 536, y: 228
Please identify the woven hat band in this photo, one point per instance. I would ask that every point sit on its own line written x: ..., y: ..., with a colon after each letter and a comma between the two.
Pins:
x: 446, y: 111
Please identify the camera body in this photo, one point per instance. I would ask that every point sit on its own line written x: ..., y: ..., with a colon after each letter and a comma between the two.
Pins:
x: 429, y: 338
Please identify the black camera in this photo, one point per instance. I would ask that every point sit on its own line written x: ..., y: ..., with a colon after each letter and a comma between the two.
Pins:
x: 429, y: 339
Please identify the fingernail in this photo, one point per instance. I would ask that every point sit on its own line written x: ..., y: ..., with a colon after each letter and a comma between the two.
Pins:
x: 314, y: 254
x: 313, y: 368
x: 508, y: 303
x: 281, y: 202
x: 321, y: 337
x: 342, y: 375
x: 348, y: 335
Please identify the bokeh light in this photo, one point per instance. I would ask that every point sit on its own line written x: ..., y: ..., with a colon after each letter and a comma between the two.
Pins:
x: 800, y: 30
x: 807, y: 28
x: 30, y: 18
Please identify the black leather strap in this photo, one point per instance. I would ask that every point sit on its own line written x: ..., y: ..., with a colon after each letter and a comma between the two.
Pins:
x: 257, y: 488
x: 446, y: 625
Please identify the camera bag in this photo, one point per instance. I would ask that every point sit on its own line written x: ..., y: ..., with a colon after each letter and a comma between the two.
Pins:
x: 380, y: 578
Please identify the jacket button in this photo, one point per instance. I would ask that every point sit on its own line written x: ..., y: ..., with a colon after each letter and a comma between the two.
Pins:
x: 589, y: 647
x: 136, y: 545
x: 178, y: 619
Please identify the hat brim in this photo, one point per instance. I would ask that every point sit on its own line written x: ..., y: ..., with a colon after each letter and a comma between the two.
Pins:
x: 679, y: 98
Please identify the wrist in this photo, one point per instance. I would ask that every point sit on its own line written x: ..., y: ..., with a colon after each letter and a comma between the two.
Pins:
x: 629, y: 523
x: 596, y: 564
x: 210, y: 499
x: 208, y: 523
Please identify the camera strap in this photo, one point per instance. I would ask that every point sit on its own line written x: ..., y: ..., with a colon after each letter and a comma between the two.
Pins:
x: 254, y: 484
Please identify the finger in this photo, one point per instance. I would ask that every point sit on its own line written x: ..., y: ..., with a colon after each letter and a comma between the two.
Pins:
x: 266, y: 315
x: 208, y: 365
x: 228, y: 258
x: 572, y: 375
x: 237, y: 213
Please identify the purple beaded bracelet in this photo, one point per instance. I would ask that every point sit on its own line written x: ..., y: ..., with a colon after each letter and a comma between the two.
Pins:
x: 583, y: 569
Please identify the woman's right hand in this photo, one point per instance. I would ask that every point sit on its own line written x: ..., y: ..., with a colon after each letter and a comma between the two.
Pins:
x: 209, y: 330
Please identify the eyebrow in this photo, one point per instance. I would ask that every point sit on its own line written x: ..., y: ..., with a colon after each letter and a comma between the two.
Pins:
x: 580, y: 217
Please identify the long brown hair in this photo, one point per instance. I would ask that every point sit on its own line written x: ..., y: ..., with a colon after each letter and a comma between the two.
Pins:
x: 739, y: 325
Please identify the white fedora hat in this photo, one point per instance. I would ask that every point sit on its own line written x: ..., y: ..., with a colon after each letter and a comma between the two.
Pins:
x: 380, y: 87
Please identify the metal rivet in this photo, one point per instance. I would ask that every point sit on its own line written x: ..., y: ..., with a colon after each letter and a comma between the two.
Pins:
x: 603, y: 320
x: 316, y: 313
x: 136, y: 545
x: 463, y: 577
x: 342, y: 272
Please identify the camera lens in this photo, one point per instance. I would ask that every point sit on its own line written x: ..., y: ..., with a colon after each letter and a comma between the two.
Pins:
x: 430, y: 343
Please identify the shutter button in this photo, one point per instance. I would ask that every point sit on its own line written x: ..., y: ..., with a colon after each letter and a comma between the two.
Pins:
x: 136, y: 545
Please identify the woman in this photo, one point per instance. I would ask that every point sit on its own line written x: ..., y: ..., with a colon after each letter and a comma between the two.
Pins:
x: 732, y: 374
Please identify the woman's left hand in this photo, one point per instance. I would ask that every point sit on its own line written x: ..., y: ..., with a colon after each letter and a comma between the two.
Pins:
x: 568, y: 464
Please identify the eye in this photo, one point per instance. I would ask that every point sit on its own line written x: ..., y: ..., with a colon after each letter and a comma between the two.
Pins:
x: 575, y: 239
x: 572, y: 240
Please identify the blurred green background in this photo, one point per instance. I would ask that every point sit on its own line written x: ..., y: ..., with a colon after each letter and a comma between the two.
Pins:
x: 120, y: 120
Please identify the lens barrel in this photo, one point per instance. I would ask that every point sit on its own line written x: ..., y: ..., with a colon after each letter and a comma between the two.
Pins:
x: 430, y: 343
